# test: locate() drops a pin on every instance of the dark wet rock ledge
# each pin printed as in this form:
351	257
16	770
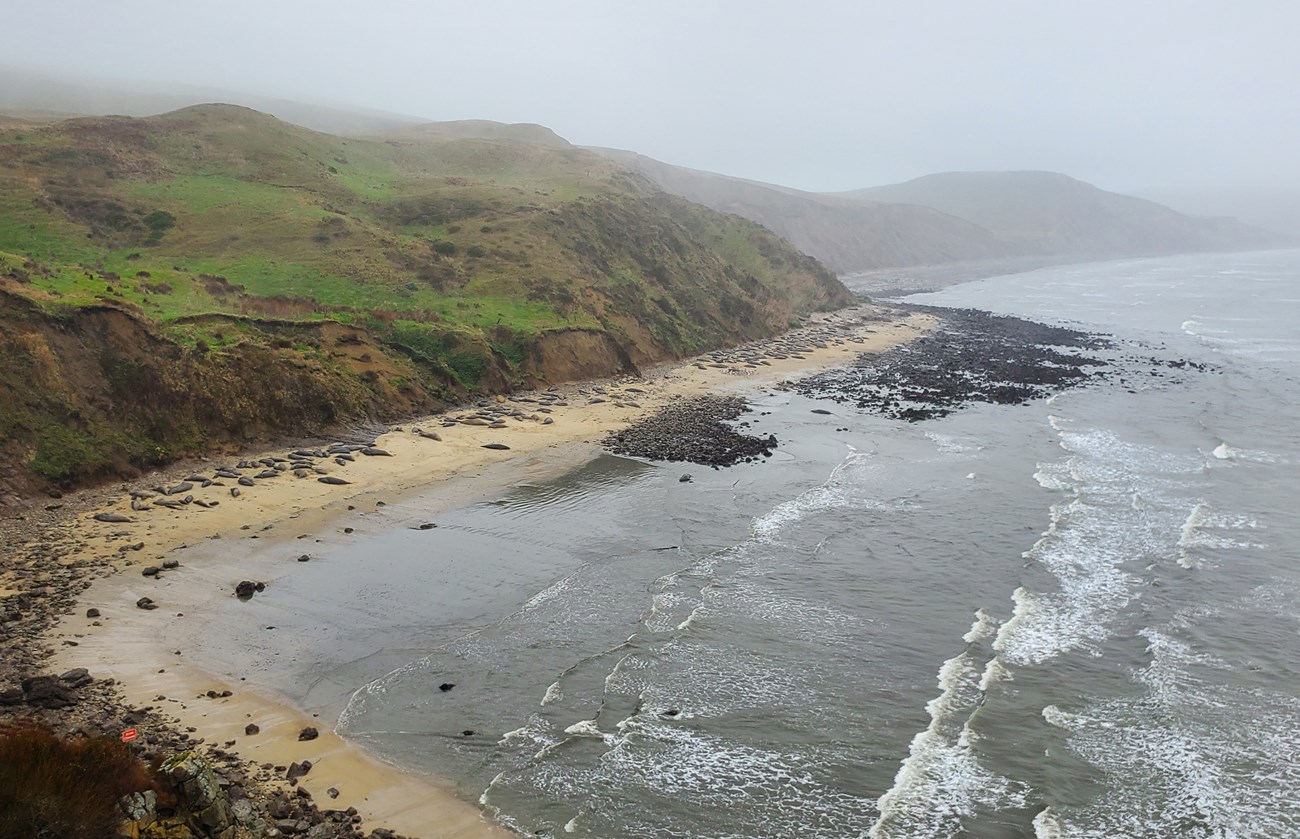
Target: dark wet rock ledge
972	356
694	430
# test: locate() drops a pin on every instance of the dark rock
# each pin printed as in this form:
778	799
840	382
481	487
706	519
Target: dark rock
973	357
245	589
77	677
151	571
297	770
332	792
92	613
685	479
169	564
305	558
47	692
446	686
308	733
251	729
693	430
146	603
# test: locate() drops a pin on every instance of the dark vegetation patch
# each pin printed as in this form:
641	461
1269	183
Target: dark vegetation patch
69	788
694	430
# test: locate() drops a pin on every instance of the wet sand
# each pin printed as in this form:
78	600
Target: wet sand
138	647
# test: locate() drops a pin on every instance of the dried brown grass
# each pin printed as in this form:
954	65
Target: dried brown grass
64	788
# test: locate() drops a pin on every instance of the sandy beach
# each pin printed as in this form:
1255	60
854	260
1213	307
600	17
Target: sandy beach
136	646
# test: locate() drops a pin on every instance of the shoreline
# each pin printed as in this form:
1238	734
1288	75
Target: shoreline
128	644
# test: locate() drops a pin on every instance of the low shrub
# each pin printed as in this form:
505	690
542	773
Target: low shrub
66	788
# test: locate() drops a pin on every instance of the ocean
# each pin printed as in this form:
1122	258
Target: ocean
1076	617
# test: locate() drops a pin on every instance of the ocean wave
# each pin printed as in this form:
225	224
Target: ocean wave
836	491
1226	452
951	445
1122	506
1190	757
942	780
1199	535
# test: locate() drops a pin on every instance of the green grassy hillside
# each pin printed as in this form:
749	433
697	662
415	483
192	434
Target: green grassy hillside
400	271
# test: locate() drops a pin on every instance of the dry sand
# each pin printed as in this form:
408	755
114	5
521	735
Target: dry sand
131	644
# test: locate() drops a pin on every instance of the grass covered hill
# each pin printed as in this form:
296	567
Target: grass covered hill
172	282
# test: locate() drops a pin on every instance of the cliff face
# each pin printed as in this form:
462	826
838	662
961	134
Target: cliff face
213	275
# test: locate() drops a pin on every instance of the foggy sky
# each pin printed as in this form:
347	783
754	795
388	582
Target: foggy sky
817	94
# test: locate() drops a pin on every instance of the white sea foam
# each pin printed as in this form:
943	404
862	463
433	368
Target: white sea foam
1118	511
835	492
551	592
553	694
1194	755
1231	453
951	445
1046	825
585	728
942	780
1206	530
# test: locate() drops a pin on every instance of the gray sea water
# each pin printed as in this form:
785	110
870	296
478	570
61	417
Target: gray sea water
1074	618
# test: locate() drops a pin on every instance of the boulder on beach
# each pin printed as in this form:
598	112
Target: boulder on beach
47	692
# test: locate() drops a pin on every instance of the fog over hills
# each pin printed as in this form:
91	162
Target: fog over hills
957	217
39	94
1046	213
1275	208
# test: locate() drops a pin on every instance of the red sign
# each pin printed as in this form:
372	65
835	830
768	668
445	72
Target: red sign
129	735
